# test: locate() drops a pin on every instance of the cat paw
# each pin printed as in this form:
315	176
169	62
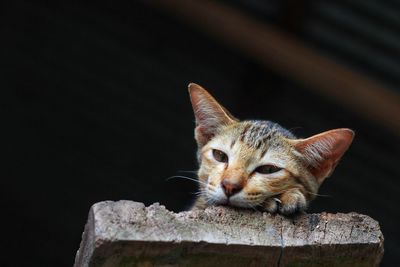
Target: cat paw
292	202
271	205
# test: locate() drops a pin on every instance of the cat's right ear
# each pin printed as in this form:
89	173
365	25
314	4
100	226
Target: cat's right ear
209	114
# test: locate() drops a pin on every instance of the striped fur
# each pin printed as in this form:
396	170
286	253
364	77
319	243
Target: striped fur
300	165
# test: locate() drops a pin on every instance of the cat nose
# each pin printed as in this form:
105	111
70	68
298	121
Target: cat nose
230	188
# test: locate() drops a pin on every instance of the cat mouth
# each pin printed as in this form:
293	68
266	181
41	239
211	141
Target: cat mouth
225	202
237	203
228	202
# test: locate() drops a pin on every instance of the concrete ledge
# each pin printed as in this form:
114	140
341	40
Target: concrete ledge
126	233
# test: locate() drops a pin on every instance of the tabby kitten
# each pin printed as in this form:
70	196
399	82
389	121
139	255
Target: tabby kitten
259	164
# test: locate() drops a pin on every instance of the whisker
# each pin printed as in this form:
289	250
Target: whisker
186	178
188	171
200	192
210	199
319	195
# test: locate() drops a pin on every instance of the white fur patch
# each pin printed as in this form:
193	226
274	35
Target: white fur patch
317	152
212	118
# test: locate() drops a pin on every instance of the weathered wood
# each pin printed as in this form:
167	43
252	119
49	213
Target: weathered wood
126	233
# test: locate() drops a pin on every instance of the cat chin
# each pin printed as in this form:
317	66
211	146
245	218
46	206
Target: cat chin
237	202
234	201
228	202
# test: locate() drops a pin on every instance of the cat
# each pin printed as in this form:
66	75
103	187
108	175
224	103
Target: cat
259	164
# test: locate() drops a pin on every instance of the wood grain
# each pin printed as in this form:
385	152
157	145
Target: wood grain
127	232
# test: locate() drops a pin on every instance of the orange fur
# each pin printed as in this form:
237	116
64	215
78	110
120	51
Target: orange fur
291	169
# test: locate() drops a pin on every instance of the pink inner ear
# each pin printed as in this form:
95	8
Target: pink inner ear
210	115
323	151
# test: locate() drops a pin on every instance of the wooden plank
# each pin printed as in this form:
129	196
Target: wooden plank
289	56
127	233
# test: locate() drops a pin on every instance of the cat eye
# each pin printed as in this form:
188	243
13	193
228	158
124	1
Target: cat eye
267	169
220	156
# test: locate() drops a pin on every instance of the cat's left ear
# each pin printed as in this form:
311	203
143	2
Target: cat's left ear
323	151
210	115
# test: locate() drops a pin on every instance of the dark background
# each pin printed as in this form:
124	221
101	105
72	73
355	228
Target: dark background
96	108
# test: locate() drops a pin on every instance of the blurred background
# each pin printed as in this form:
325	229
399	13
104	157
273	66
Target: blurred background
96	104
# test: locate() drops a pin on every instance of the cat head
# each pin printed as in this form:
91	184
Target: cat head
243	163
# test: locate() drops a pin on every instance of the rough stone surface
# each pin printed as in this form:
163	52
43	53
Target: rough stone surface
127	233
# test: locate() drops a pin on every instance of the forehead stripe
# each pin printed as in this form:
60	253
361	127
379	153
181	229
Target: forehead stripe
264	152
244	132
233	143
255	134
